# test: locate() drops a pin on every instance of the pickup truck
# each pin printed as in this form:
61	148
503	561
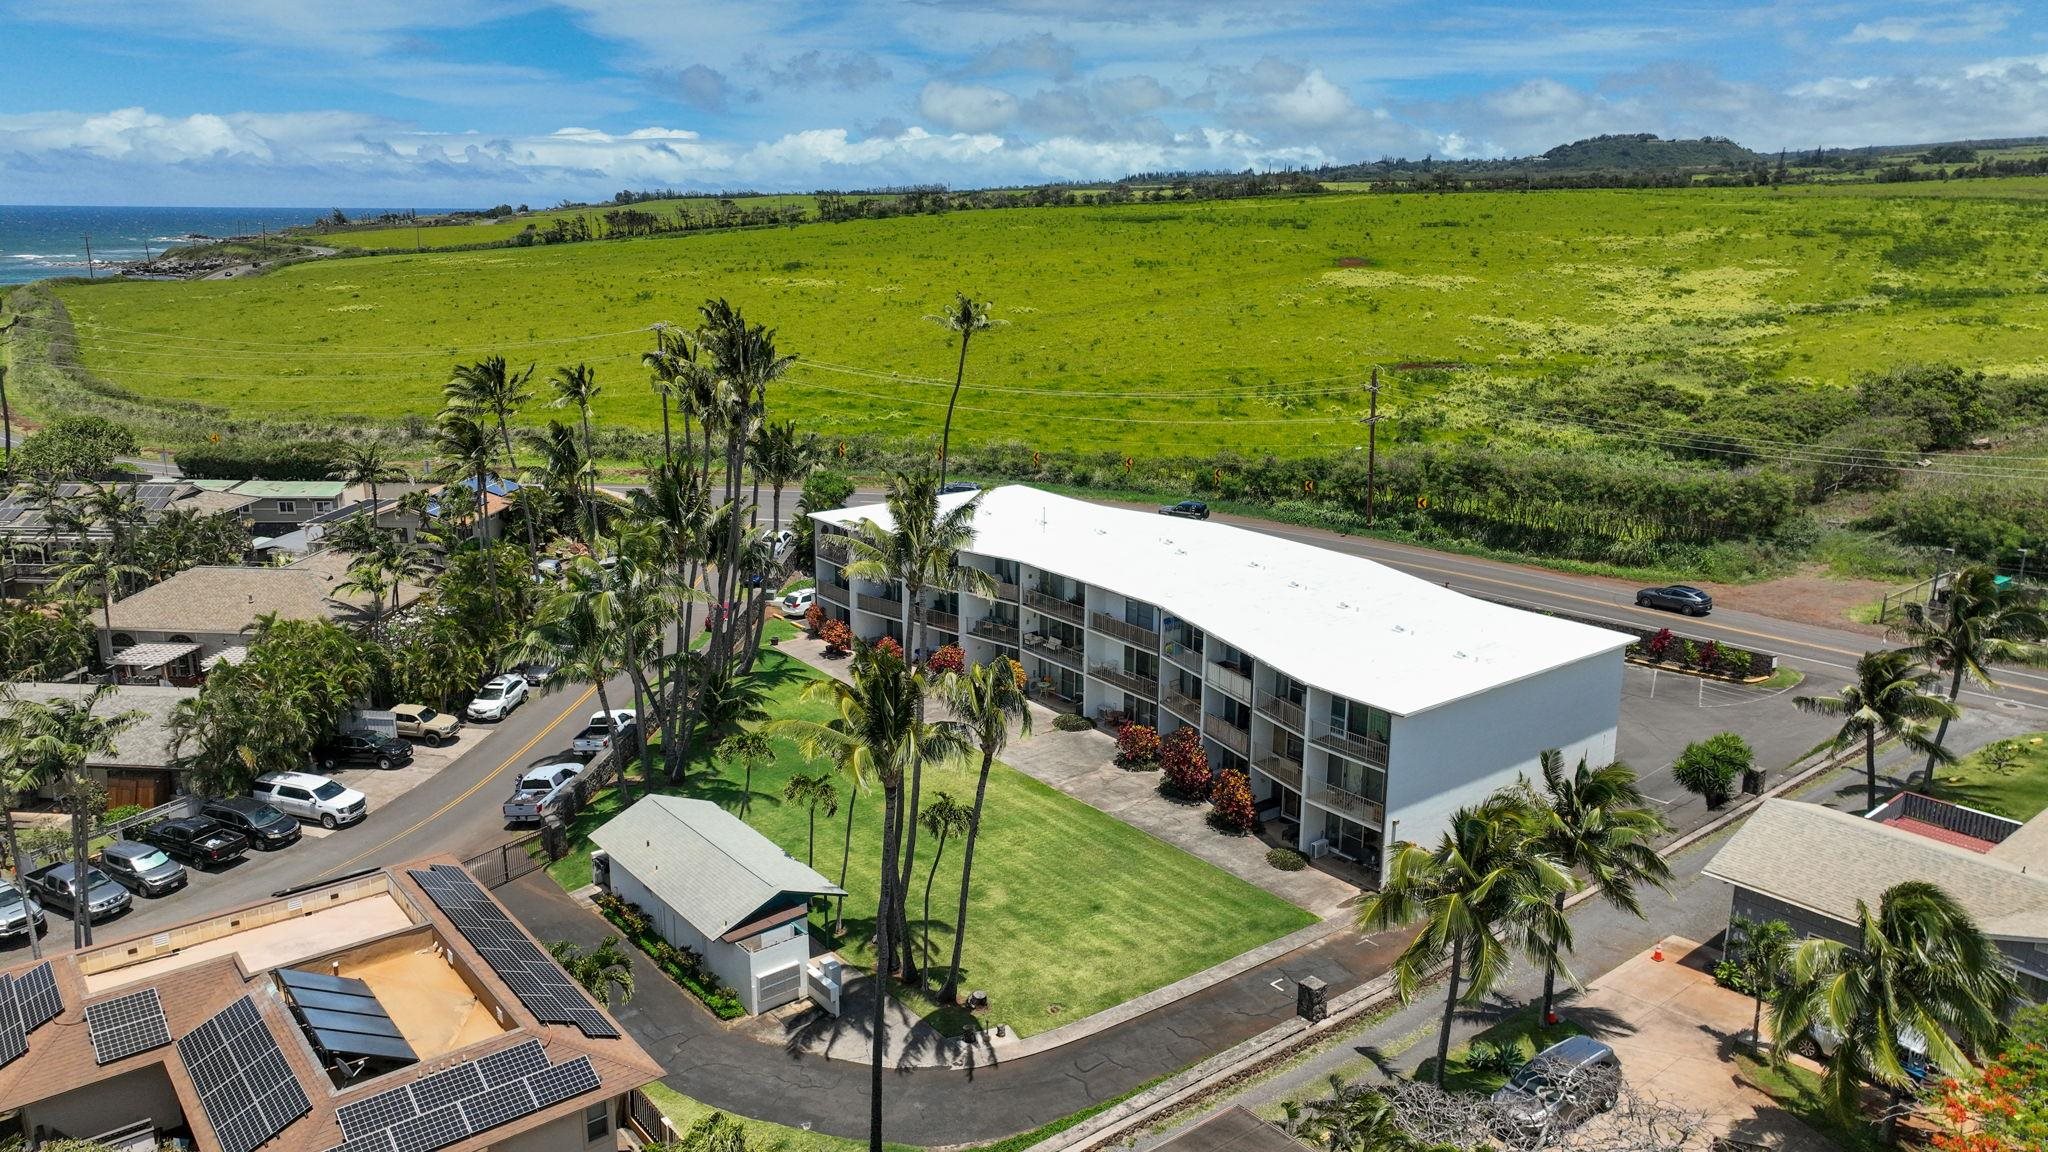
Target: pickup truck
541	790
597	735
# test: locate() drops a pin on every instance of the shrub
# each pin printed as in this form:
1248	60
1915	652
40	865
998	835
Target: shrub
1499	1058
1069	722
258	460
814	621
124	812
74	448
1738	660
1708	767
1185	766
1657	645
1688	653
890	645
949	658
1286	859
837	636
1137	747
1710	655
1232	808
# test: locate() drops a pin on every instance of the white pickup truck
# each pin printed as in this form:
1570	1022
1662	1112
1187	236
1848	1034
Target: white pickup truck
542	789
597	735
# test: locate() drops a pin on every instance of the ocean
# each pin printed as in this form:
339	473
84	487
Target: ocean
48	240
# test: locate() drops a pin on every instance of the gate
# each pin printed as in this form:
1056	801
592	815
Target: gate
499	866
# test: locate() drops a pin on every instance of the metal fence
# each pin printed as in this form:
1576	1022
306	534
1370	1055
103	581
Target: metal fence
507	862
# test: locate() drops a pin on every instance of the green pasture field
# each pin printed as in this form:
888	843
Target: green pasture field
481	231
1148	329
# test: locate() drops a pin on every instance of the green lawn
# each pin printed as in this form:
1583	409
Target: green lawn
1073	911
1798	1092
1524	1029
2017	793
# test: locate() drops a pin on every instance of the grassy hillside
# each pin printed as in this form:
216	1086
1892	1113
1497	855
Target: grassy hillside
1144	328
433	233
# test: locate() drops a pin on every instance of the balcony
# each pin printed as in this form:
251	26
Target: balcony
1187	708
1349	803
1227	679
1124	630
1052	650
997	631
1143	687
1054	606
833	594
1281	710
1363	750
1223	732
834	548
1004	592
1280	768
881	605
940	620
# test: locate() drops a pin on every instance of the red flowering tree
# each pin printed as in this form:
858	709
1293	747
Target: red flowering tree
814	621
837	636
2004	1108
948	658
1137	747
1233	809
888	644
1184	767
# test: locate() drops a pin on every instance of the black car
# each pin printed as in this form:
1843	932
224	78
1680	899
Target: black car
958	486
266	827
362	748
1676	598
205	842
103	898
1190	509
143	869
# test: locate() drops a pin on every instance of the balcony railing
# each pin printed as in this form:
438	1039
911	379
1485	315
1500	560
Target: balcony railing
832	594
997	631
1230	680
1364	750
1281	709
1280	768
1223	732
834	548
1186	707
1124	630
1053	650
1143	687
885	605
1348	802
1054	606
1187	656
939	620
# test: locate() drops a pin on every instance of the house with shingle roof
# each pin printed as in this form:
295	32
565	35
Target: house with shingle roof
138	770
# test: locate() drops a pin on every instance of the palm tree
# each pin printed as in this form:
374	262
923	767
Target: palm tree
965	317
751	750
1484	880
20	772
369	578
99	567
1765	951
780	455
576	388
672	350
366	462
727	700
813	792
467	444
1352	1118
984	699
1889	700
488	389
1981	622
604	971
575	630
1595	822
1920	969
944	817
60	737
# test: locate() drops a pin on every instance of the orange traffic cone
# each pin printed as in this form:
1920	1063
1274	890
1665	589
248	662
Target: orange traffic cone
1657	953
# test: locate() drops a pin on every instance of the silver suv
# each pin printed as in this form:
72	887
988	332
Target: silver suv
310	797
1559	1087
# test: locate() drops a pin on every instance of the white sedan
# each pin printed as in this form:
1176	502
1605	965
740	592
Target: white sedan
496	699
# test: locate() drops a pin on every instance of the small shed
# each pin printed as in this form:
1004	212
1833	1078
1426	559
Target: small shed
710	883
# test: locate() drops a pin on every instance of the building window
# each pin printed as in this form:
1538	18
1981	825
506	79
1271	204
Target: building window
323	505
1236	713
284	506
1143	615
1141	711
1143	665
597	1123
1234	659
1358	721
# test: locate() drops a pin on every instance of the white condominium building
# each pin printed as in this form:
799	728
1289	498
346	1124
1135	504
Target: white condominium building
1365	704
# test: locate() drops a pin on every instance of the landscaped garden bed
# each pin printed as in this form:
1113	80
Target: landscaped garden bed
2007	778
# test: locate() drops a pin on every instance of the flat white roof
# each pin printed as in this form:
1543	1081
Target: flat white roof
1342	623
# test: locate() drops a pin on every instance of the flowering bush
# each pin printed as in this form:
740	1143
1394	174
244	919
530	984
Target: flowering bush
814	621
1184	766
2005	1108
1233	809
1657	645
1710	655
1137	746
1016	670
837	636
948	658
888	644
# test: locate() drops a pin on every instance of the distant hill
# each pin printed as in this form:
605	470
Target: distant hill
1642	150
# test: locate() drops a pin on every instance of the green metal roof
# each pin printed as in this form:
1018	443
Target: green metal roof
292	489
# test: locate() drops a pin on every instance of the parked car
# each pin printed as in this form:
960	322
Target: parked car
781	544
142	868
950	488
203	840
537	672
597	735
1561	1085
19	913
51	884
497	698
1676	598
1821	1041
265	827
310	797
799	602
363	748
419	722
541	790
1186	509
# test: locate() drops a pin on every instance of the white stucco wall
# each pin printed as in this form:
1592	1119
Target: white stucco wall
734	966
145	1093
1453	756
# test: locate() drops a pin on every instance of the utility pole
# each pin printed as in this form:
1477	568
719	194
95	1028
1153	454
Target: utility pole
1372	449
88	258
415	213
2023	561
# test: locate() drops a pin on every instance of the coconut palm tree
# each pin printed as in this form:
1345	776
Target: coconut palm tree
368	463
576	388
813	792
984	700
1980	622
1763	952
491	391
369	578
60	737
1595	823
726	702
1484	888
669	365
1919	970
575	630
605	971
1888	701
781	455
944	818
20	773
98	567
965	317
467	444
750	750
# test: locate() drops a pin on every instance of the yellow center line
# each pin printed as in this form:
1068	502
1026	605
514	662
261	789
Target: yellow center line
444	809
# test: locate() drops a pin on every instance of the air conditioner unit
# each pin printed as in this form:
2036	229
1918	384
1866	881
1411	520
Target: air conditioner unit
1318	849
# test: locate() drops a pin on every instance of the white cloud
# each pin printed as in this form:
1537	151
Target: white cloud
1043	52
966	107
1314	102
1972	23
702	87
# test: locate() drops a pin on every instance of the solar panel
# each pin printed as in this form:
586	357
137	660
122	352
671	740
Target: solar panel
463	1101
500	1105
432	1092
37	993
433	1130
563	1081
245	1084
520	1060
126	1025
592	1023
531	974
13	1037
376	1113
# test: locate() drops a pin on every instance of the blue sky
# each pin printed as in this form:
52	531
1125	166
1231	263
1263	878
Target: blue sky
471	102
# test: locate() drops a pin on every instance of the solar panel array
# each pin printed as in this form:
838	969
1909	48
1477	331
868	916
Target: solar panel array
126	1025
243	1080
27	1002
462	1101
532	974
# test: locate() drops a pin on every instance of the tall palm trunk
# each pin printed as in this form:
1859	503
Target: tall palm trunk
35	943
1550	967
951	990
938	854
1955	690
916	595
512	465
845	858
668	447
946	437
1443	1032
483	542
590	495
811	838
81	918
892	799
1870	770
